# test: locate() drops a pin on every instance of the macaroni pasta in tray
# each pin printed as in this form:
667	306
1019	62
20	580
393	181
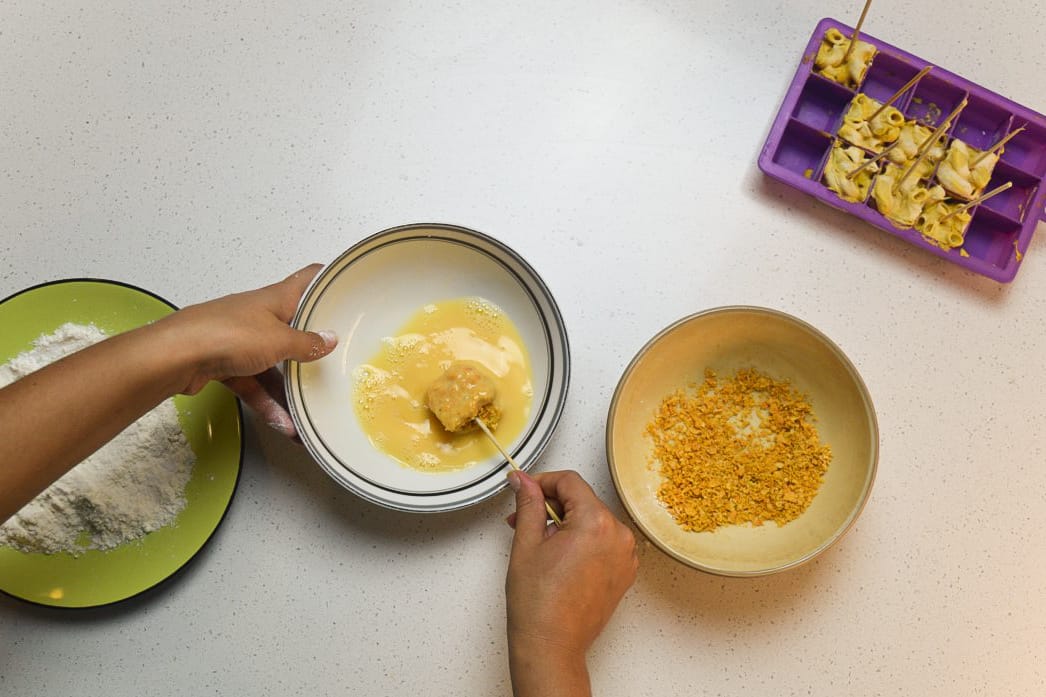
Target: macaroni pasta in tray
948	166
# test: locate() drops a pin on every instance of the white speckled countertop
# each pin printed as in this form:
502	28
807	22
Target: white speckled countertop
196	150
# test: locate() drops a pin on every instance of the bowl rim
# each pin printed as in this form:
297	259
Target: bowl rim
850	368
550	315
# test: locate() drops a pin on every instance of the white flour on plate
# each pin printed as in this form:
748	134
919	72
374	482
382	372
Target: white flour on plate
133	485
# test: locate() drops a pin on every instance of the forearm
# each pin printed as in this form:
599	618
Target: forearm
563	582
54	418
543	670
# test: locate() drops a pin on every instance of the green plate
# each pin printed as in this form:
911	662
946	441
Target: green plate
212	421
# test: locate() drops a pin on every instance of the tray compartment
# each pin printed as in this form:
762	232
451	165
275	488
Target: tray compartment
933	100
887	75
991	237
1027	151
802	150
824	166
1012	203
881	218
982	123
822	103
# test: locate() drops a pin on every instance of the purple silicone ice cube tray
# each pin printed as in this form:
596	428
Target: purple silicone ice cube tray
1000	228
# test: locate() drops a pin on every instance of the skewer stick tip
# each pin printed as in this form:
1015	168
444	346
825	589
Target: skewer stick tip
857	30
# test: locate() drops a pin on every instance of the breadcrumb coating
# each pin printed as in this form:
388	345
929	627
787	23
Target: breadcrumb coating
743	450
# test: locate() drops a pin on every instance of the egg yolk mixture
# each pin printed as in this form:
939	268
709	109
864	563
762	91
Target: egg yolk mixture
390	388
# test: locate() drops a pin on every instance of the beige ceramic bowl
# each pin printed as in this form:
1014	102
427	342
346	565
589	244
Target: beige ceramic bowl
725	340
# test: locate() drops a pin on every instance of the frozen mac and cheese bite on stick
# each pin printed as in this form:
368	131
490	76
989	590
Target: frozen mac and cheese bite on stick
461	395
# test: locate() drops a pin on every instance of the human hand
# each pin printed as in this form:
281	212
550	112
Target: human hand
563	583
239	338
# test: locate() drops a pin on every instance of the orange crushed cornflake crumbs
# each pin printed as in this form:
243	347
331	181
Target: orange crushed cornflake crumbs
736	451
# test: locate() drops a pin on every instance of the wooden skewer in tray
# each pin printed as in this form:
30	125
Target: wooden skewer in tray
980	199
997	146
899	92
857	31
930	142
878	158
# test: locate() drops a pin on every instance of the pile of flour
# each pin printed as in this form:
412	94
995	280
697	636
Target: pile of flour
133	485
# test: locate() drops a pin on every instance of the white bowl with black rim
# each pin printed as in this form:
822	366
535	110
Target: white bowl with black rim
366	294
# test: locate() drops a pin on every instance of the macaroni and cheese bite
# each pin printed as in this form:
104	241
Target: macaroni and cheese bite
838	63
842	161
960	175
464	393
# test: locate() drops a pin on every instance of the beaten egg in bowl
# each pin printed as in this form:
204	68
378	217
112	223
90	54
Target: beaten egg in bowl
389	389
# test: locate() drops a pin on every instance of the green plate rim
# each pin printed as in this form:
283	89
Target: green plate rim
232	494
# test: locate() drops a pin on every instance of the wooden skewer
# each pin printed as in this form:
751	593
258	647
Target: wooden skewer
928	145
980	199
995	147
901	91
555	517
857	31
877	158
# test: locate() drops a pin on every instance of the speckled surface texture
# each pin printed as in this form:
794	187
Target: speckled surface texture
197	150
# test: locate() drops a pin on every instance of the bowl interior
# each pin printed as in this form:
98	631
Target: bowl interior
726	340
368	294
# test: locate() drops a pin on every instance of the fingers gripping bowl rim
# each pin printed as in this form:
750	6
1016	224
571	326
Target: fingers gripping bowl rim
366	294
726	339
